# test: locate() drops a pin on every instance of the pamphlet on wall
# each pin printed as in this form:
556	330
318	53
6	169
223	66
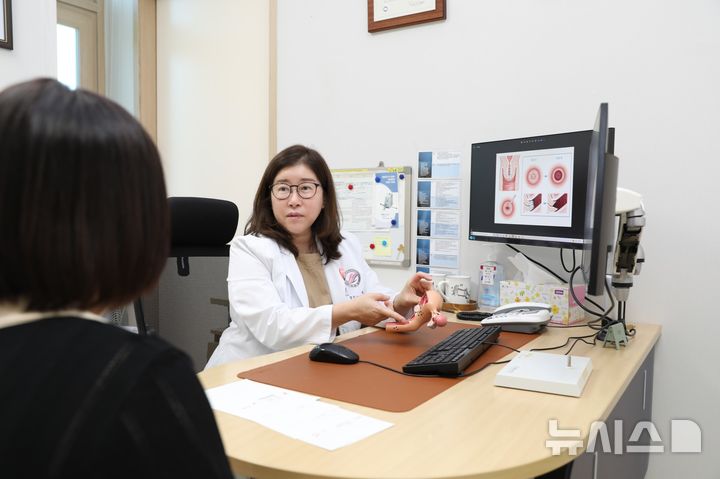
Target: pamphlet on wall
438	211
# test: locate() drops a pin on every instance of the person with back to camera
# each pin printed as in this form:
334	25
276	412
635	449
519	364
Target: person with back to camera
84	226
294	277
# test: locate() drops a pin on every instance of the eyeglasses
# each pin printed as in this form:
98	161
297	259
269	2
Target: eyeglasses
282	191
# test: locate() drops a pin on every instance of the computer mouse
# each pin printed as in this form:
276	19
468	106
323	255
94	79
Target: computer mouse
333	353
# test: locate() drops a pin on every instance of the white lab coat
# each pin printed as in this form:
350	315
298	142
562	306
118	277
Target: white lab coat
269	304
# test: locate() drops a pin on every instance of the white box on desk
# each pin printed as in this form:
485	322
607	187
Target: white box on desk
564	309
545	372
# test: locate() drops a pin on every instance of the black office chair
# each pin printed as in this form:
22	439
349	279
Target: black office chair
199	227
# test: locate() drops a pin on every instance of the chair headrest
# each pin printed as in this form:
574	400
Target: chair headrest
201	225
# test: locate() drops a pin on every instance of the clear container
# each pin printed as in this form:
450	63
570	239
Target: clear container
491	273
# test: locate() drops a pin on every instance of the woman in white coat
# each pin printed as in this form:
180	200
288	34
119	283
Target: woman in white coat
294	277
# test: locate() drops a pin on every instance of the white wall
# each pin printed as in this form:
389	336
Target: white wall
213	87
34	38
213	70
505	69
121	53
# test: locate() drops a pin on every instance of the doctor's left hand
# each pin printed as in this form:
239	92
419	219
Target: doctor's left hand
410	295
368	309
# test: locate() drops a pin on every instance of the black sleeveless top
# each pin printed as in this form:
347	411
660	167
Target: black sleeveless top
80	398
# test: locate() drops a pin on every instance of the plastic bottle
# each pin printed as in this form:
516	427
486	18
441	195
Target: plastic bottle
491	273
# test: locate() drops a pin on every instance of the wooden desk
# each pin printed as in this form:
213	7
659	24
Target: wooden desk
473	429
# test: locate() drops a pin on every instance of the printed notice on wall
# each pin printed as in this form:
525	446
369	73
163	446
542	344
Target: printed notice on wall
354	190
438	212
386	202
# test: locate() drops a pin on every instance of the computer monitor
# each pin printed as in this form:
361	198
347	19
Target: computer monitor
530	191
600	203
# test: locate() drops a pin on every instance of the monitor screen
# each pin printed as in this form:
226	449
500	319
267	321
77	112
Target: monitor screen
600	203
530	190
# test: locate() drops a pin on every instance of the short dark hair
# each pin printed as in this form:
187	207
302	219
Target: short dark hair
84	218
325	229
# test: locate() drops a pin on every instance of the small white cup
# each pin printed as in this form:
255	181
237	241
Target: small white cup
456	289
437	280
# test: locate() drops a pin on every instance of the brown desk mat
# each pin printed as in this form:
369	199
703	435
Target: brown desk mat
369	385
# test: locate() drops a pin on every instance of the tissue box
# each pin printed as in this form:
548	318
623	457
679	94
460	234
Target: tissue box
564	309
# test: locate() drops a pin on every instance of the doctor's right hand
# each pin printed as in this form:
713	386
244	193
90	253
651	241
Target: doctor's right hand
368	309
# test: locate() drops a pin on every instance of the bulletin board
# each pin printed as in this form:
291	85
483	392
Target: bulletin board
375	206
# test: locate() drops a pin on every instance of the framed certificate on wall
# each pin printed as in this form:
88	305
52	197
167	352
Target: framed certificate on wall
6	40
386	14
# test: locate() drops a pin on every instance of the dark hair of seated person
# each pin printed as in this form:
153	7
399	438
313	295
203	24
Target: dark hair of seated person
82	190
84	227
326	228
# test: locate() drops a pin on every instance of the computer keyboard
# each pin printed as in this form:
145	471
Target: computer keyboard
453	354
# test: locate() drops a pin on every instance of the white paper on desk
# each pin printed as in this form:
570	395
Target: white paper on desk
294	414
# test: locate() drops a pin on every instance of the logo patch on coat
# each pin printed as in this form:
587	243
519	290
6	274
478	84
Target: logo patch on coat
352	278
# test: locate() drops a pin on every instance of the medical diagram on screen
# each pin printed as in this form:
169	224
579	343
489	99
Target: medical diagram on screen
534	187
